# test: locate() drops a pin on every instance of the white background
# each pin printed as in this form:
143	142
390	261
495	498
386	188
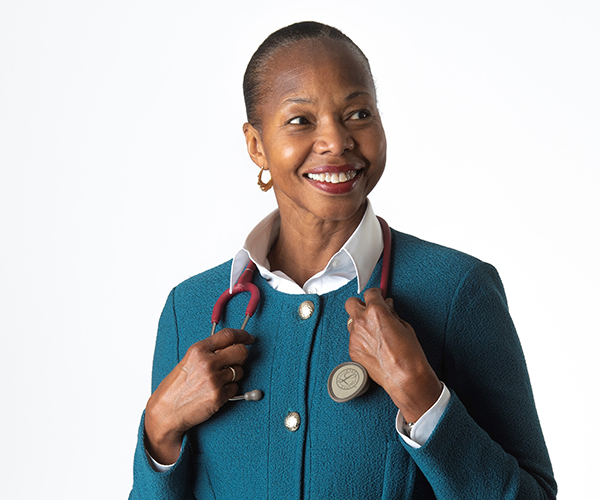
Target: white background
124	172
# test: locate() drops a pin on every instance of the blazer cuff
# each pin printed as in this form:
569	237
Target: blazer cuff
150	484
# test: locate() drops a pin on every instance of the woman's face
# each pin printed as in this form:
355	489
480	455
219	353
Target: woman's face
321	136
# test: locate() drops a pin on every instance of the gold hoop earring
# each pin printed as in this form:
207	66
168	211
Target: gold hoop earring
264	186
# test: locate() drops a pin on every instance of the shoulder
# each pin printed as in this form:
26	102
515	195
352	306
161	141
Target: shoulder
430	257
432	269
207	283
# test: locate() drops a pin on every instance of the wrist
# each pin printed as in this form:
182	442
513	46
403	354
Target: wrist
164	449
416	393
161	441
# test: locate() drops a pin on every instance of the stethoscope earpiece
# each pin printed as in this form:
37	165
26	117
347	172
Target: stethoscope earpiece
255	395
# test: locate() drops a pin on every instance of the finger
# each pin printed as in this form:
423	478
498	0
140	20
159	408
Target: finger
226	337
232	355
390	303
232	373
230	390
373	296
354	306
349	323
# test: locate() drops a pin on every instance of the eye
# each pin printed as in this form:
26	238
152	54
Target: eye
299	120
361	114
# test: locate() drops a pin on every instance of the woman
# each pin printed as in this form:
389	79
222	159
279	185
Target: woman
450	413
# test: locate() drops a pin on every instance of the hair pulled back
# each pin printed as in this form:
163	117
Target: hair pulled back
254	90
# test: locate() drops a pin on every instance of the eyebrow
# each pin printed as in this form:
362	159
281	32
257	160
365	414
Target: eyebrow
356	94
298	100
304	100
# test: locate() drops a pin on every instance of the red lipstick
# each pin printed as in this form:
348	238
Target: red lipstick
334	179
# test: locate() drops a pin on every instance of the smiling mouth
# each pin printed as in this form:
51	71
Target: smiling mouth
333	177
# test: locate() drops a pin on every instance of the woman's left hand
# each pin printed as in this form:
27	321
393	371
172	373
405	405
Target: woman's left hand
389	350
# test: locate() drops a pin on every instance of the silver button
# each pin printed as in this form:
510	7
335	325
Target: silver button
306	309
292	421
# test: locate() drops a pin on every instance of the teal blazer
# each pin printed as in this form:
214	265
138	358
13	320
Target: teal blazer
488	443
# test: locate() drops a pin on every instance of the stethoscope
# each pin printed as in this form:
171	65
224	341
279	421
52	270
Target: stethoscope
346	381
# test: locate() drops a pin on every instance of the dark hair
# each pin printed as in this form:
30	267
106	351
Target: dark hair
254	75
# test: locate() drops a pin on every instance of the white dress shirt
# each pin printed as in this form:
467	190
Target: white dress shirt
357	258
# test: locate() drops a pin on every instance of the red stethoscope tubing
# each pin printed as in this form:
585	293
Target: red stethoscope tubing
244	283
387	253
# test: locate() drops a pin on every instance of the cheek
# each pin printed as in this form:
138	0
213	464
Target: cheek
287	154
376	154
375	149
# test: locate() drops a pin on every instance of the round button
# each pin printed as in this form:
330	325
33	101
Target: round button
335	263
312	289
306	309
292	421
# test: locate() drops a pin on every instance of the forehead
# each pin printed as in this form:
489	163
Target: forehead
314	66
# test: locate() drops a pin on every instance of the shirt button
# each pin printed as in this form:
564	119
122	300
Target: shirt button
306	309
312	289
335	263
292	421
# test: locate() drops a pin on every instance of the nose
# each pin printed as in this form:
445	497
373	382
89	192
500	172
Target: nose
333	138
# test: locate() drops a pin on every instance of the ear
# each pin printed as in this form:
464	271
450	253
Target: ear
255	146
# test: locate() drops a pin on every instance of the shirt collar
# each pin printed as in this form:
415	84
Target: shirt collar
357	258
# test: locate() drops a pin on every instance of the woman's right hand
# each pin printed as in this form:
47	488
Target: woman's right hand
197	387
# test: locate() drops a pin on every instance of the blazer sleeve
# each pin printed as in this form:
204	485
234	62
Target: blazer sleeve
173	484
488	443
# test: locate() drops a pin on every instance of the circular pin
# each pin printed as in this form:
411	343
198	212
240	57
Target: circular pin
347	381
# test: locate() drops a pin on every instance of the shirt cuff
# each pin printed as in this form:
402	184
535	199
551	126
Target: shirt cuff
422	429
155	465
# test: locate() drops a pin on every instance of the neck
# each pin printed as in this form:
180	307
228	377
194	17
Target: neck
306	244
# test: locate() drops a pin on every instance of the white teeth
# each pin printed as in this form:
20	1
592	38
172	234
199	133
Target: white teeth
333	177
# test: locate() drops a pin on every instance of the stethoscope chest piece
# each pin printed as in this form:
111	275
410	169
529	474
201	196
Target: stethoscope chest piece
347	381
